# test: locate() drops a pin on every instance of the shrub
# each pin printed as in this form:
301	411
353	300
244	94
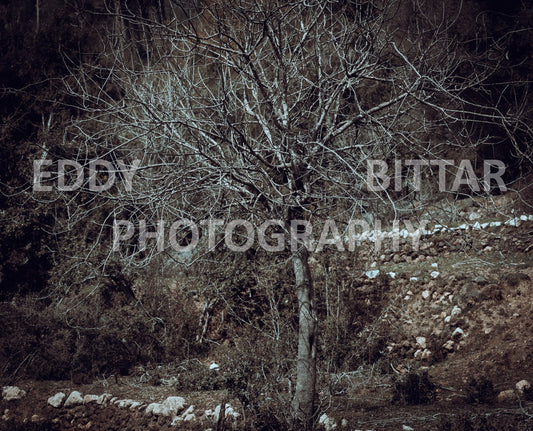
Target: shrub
195	376
413	389
481	391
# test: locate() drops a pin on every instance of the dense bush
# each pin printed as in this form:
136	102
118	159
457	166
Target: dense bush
194	375
83	337
481	391
414	388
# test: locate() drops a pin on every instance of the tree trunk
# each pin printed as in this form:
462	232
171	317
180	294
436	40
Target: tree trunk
303	403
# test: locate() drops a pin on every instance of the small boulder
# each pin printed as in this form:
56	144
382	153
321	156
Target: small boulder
455	311
189	417
74	399
57	399
136	405
10	393
214	366
458	333
421	342
124	404
327	422
229	412
426	354
90	399
522	385
189	410
174	405
505	396
157	409
448	345
104	398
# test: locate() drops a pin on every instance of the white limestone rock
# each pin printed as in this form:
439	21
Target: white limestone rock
10	393
174	405
57	399
90	398
74	399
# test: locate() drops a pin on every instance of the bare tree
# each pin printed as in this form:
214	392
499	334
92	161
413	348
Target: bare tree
271	110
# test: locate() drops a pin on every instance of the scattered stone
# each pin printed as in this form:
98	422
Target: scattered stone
327	422
372	274
407	428
229	412
10	393
57	399
74	399
104	398
421	342
90	398
458	333
434	274
455	311
124	404
157	409
522	385
36	418
189	410
448	345
344	423
135	405
426	354
505	396
174	405
426	294
189	417
186	416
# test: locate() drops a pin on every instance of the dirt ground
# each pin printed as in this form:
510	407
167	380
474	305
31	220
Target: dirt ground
369	412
